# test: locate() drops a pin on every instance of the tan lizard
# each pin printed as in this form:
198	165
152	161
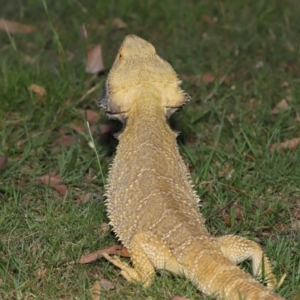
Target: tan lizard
151	203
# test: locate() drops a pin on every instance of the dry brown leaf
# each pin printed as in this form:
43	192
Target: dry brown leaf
289	144
227	221
106	284
113	250
281	106
61	188
96	290
208	19
91	116
94	61
38	90
208	78
66	140
3	161
54	181
15	27
120	24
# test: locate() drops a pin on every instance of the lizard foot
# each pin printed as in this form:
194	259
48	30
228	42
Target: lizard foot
129	273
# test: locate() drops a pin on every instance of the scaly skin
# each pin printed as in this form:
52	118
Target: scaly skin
151	203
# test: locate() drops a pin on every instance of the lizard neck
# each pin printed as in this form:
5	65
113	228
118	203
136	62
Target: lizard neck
146	121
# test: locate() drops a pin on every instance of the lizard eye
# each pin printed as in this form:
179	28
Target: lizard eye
120	55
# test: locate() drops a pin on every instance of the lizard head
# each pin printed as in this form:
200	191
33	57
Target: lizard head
138	67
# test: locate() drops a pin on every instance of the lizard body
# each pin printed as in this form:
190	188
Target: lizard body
151	203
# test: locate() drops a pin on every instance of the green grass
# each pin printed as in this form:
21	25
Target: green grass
226	133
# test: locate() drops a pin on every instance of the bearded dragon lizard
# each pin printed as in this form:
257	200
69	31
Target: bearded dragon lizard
151	203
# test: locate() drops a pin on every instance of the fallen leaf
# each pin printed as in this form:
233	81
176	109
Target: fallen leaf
289	144
54	181
3	161
106	284
208	78
66	140
227	221
15	27
281	106
38	90
96	290
113	250
91	116
178	298
118	23
94	61
208	19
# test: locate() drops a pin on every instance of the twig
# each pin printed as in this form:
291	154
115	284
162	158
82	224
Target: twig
219	211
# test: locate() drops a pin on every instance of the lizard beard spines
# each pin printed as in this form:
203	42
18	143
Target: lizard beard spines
102	101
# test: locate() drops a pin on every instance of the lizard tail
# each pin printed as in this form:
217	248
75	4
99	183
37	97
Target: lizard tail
216	275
